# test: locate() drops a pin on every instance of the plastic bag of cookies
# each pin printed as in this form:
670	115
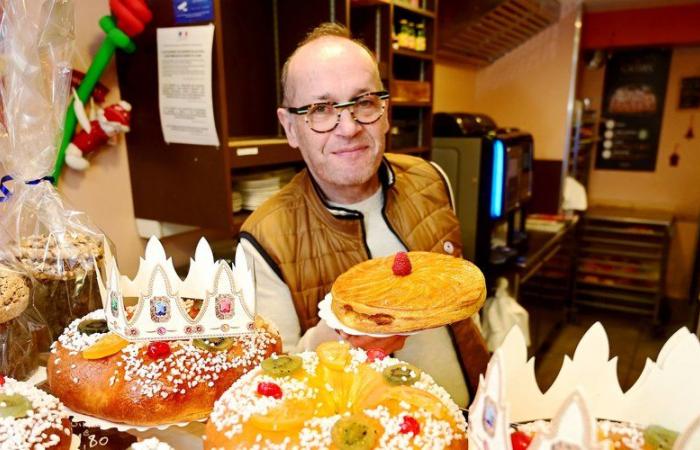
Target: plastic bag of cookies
22	329
56	245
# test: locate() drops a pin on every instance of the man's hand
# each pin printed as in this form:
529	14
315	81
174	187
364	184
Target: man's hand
389	344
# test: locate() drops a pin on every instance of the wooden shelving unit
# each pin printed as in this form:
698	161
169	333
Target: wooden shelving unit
191	184
622	260
377	22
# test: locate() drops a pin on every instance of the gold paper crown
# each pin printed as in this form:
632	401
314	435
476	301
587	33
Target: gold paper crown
227	295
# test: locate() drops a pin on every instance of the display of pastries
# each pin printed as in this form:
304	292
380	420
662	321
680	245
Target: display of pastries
63	268
31	419
337	398
611	435
407	292
95	372
18	331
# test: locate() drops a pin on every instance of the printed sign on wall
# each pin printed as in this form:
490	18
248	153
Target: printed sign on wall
191	11
633	107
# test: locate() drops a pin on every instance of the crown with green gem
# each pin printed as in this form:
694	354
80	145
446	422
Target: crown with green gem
225	296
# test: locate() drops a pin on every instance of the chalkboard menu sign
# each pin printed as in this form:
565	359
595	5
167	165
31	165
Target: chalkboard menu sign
633	106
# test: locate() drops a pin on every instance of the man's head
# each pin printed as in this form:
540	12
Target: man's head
330	67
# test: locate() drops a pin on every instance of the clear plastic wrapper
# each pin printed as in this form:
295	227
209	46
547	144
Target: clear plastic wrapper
56	245
22	329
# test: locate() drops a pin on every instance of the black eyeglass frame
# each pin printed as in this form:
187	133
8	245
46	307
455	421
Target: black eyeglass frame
303	110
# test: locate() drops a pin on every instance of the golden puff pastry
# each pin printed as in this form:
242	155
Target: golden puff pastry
434	290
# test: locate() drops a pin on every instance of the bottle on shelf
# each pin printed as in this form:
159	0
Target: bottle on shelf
411	41
421	44
403	33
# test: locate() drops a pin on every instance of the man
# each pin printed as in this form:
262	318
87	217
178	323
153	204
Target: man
351	203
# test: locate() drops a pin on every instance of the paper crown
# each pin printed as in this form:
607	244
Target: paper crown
667	393
227	295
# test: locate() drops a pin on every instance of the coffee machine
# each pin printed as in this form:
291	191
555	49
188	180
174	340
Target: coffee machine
490	171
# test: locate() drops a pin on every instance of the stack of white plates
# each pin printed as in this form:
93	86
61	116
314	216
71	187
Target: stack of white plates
257	188
237	201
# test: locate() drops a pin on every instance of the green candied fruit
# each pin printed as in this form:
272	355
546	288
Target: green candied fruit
402	374
659	438
14	405
281	366
354	433
93	326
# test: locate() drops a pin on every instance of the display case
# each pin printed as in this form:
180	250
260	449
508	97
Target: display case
622	259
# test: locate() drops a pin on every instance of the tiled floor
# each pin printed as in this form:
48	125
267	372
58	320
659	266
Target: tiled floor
631	340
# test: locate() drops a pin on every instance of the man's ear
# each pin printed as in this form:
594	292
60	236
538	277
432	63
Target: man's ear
285	118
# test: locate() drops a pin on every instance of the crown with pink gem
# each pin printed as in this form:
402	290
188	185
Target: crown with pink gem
214	300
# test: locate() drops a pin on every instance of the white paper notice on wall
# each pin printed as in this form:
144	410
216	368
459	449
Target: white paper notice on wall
185	85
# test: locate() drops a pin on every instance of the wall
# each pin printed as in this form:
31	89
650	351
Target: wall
104	190
454	88
530	87
669	188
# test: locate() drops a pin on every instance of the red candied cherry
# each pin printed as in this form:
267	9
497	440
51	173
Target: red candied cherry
2	379
158	350
402	265
375	354
520	440
409	425
268	389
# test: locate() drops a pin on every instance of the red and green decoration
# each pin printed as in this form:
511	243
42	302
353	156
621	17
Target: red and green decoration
129	18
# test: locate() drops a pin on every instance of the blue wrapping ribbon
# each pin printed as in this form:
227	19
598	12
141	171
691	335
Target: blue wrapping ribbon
5	191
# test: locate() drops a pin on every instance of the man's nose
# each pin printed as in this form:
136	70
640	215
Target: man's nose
347	126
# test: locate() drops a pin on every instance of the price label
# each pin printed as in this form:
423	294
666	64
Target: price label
99	439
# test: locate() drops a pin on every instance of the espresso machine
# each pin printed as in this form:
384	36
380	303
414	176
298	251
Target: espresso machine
490	171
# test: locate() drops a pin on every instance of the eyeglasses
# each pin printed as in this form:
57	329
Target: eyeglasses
324	117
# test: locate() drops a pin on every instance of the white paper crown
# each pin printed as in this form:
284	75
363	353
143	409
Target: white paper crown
667	393
227	294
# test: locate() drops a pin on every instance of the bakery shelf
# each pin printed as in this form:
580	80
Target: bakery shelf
410	103
618	252
619	296
400	6
618	274
645	232
413	54
622	242
623	260
615	307
408	74
613	285
405	7
646	266
261	151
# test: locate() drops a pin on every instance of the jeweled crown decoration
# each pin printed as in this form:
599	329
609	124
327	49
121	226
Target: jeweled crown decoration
666	394
225	296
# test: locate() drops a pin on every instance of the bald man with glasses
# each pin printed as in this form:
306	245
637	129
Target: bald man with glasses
351	203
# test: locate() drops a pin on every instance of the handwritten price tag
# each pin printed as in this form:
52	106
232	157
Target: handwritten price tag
99	439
